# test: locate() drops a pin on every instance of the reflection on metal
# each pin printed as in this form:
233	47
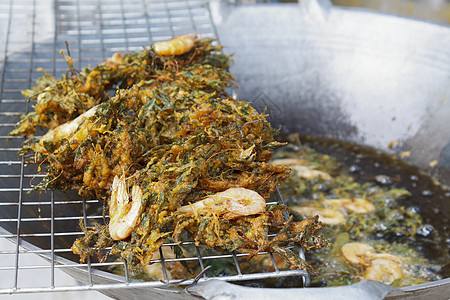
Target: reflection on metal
431	10
367	290
359	76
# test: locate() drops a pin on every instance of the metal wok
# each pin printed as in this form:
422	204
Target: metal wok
331	72
349	74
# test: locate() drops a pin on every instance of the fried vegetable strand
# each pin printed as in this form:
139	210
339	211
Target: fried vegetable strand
168	139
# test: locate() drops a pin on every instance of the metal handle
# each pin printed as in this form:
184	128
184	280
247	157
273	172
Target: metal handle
366	289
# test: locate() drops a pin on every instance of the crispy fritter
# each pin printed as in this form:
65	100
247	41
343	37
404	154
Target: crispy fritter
172	130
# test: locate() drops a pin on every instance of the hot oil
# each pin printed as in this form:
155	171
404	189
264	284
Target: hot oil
428	203
428	197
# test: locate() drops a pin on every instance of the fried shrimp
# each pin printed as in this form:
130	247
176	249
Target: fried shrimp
232	203
310	173
66	130
174	270
124	215
303	171
329	216
289	161
176	46
382	267
384	270
356	205
358	253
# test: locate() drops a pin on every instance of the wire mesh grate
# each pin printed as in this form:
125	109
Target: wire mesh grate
31	34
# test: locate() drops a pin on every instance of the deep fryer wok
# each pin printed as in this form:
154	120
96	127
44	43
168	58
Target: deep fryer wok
349	74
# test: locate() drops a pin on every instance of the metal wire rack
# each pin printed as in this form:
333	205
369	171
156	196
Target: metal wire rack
31	34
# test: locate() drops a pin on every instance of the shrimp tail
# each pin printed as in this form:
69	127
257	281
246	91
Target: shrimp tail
124	215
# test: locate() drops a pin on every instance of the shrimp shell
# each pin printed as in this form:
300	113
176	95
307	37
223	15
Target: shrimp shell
358	253
356	205
176	46
306	172
383	267
384	270
329	216
174	270
66	130
232	203
124	215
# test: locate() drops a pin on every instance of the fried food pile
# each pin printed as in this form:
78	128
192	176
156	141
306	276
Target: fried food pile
169	152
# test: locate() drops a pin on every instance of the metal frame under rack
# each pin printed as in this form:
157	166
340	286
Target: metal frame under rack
31	34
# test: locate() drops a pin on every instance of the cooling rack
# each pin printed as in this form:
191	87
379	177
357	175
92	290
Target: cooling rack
32	33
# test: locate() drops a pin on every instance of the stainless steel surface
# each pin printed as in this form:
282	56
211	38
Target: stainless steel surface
439	290
431	10
346	73
342	73
366	289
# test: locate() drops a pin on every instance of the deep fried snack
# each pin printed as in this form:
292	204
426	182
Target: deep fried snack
169	137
